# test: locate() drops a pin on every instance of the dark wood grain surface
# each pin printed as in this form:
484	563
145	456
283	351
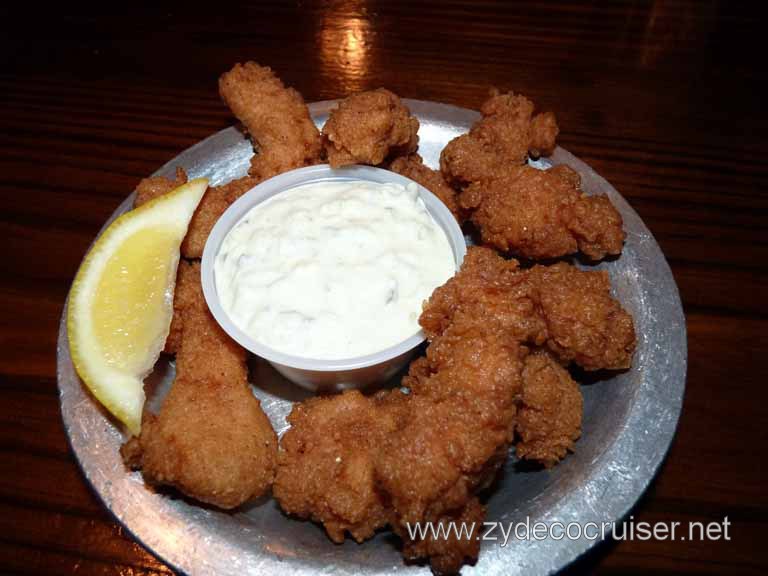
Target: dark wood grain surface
662	98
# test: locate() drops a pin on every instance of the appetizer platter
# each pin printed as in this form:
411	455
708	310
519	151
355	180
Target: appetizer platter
540	381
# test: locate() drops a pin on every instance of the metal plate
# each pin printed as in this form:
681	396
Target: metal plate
629	422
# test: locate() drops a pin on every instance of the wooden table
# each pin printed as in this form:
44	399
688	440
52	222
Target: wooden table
661	98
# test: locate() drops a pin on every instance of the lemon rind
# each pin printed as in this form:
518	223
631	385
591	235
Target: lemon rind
120	392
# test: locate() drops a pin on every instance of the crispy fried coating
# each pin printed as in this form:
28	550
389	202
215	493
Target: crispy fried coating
586	325
544	131
327	462
412	166
202	337
549	420
504	136
463	410
211	440
540	214
233	189
491	291
368	127
276	117
597	227
566	173
214	203
155	186
185	297
570	310
173	341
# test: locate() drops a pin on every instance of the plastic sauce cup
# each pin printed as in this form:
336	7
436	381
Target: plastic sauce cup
312	373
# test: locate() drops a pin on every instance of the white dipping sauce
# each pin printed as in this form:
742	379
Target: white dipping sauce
332	270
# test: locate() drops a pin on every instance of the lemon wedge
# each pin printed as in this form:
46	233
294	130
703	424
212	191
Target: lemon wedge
121	302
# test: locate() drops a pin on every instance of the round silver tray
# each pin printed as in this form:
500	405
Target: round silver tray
629	422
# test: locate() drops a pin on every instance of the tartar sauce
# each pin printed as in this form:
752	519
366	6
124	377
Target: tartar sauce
334	269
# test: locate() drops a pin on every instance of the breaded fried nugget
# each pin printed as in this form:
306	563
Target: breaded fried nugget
540	214
155	186
461	408
420	469
412	166
491	291
462	414
327	462
586	325
368	127
570	310
211	440
276	117
549	420
474	361
503	137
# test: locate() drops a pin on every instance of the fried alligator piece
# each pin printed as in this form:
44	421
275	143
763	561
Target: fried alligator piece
155	186
570	310
540	214
461	416
530	213
211	440
549	420
327	462
504	136
491	291
585	324
276	118
460	426
412	166
369	127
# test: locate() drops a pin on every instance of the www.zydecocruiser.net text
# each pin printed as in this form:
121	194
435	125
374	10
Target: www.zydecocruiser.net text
506	532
